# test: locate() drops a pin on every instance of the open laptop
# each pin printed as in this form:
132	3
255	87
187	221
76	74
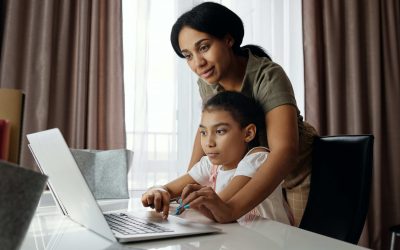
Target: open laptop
73	195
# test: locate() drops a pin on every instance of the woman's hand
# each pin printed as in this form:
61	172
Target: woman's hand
157	198
206	201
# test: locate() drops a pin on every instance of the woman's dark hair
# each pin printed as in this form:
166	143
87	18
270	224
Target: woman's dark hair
244	110
218	21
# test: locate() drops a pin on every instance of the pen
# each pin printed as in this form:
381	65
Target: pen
181	208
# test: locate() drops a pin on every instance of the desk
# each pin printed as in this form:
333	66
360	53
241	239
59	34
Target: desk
51	230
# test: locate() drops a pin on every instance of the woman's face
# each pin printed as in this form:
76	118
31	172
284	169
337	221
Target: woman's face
222	138
207	56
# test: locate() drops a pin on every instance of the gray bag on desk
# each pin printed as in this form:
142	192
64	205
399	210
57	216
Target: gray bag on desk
106	172
20	191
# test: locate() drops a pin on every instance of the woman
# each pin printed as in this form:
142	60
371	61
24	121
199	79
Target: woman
209	38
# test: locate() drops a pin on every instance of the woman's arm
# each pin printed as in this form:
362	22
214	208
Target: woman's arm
197	152
237	183
283	142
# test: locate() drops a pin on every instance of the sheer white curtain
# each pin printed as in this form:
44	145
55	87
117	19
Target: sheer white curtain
276	25
162	100
150	91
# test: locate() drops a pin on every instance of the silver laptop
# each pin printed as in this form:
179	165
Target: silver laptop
77	201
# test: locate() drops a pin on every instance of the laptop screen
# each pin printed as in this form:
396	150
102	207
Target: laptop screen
54	158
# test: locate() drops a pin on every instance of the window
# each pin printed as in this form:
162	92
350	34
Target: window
151	94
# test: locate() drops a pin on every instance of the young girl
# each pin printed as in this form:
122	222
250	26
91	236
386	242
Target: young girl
229	126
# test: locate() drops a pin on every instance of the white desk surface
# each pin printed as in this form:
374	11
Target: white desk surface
51	230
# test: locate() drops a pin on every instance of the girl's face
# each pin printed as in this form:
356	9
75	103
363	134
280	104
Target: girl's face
207	56
222	138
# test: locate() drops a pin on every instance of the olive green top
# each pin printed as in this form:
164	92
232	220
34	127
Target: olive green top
268	84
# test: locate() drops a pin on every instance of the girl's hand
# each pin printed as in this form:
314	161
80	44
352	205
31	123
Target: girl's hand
157	198
206	201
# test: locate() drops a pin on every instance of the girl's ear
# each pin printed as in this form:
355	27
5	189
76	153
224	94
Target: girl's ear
250	132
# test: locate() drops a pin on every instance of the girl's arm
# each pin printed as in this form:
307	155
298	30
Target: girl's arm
283	142
197	152
237	182
176	186
159	197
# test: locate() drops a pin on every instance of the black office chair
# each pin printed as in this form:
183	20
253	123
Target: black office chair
340	186
395	230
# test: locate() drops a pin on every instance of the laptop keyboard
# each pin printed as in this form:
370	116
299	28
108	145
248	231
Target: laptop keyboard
129	225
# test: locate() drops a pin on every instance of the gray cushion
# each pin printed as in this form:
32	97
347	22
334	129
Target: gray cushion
106	172
20	191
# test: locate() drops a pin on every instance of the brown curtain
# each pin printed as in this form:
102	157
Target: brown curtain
352	86
66	56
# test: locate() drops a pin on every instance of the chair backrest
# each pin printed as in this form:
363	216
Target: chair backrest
5	132
12	110
340	186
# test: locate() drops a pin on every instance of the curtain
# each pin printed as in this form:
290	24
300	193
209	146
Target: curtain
66	56
151	92
352	86
276	26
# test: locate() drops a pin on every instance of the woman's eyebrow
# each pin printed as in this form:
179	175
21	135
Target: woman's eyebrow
200	41
196	44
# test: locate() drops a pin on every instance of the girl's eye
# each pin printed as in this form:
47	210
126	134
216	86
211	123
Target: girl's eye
203	48
221	131
203	133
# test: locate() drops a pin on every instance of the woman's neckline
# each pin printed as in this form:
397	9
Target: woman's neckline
242	69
